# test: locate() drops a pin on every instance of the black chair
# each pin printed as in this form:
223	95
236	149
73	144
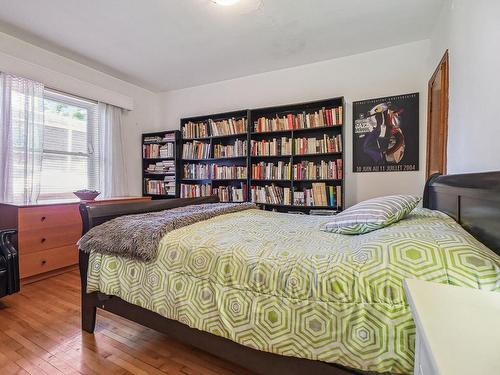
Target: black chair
9	264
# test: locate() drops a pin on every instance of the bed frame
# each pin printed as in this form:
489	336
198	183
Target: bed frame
473	200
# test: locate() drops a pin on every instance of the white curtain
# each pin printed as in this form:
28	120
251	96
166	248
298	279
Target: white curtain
21	138
113	169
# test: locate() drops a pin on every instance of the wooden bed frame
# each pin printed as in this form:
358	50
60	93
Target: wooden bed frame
473	200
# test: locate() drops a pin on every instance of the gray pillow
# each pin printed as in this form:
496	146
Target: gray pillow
372	214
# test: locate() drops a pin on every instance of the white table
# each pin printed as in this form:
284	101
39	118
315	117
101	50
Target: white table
458	329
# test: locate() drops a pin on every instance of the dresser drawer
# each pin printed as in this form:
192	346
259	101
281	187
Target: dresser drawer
34	240
47	260
39	217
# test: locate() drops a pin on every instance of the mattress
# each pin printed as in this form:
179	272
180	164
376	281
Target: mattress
277	283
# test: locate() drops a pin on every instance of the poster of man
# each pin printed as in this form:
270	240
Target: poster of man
386	134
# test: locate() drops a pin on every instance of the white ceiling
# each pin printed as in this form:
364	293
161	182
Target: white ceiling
170	44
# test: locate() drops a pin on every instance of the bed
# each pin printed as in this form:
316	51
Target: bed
274	294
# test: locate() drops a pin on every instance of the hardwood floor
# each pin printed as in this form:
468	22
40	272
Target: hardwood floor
40	334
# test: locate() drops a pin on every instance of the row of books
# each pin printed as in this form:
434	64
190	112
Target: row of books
152	139
168	137
228	127
324	170
152	151
313	145
195	130
232	193
274	147
226	193
162	167
320	195
159	187
304	120
305	170
302	146
196	150
214	172
271	171
238	148
195	190
204	129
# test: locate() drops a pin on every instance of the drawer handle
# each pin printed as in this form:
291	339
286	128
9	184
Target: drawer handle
43	218
43	240
44	262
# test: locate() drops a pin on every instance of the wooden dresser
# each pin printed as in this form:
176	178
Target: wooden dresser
47	235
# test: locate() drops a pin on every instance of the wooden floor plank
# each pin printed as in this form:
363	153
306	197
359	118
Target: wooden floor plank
40	334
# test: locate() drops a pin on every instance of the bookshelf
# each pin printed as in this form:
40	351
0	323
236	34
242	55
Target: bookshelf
298	150
302	152
160	167
215	156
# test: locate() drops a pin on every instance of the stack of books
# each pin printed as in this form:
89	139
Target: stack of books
271	171
238	148
167	150
274	147
193	130
169	182
324	170
230	126
162	167
169	137
196	150
153	139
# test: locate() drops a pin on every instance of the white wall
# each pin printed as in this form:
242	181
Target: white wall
391	71
60	73
470	29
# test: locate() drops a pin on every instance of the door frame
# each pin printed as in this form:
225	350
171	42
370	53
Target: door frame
444	66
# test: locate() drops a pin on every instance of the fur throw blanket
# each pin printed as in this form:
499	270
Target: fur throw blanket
138	236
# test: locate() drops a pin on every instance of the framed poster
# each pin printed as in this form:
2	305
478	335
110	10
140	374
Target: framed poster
385	134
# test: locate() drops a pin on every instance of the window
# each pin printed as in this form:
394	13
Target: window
70	147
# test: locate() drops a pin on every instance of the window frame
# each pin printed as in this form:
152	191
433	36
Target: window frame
92	140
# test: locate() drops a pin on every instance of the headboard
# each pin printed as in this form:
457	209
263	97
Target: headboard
473	200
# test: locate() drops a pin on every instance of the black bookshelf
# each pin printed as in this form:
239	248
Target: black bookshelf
327	126
188	183
158	177
318	131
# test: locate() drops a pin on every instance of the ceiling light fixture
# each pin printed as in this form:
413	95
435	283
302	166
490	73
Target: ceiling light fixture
225	2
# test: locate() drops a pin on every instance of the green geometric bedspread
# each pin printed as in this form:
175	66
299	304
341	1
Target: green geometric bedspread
276	283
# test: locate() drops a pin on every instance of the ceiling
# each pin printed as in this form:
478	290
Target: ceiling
171	44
